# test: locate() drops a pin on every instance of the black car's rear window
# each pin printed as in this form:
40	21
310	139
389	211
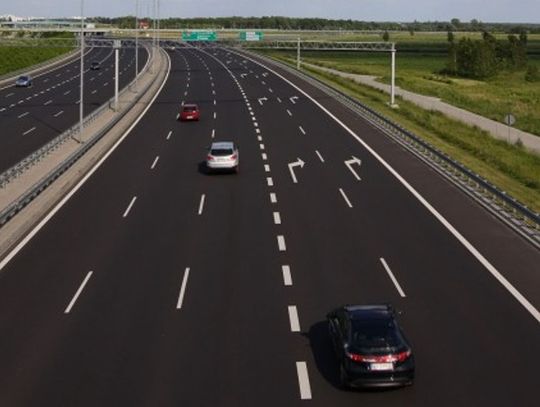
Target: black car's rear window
221	151
375	333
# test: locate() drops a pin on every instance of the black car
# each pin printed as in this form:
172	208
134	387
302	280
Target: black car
95	65
370	346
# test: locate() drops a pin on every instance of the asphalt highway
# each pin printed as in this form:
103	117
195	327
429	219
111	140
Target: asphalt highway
33	116
158	284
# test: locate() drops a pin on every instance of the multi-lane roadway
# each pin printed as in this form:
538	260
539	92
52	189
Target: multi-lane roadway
159	285
33	116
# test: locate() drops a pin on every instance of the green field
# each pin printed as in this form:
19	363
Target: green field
14	59
508	166
508	92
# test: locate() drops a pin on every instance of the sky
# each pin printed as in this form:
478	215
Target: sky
524	11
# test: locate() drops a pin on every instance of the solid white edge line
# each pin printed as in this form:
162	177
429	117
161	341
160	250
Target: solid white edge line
481	259
183	289
287	277
79	291
201	204
319	155
345	198
281	243
126	213
277	218
46	219
303	380
155	162
293	318
392	277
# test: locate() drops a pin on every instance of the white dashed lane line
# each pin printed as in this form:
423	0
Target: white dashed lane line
319	155
126	213
154	163
264	156
302	130
29	131
393	278
22	115
303	380
201	204
345	198
289	112
281	243
9	95
183	289
78	293
287	277
277	218
169	135
273	197
293	318
59	113
270	181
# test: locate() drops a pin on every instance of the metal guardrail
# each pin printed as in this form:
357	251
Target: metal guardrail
514	213
37	188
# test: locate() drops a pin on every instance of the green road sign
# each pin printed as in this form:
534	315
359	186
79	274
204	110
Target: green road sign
251	36
199	36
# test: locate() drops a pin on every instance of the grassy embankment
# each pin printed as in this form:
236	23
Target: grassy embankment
508	166
16	58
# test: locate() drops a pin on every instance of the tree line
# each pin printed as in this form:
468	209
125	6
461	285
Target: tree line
481	59
289	23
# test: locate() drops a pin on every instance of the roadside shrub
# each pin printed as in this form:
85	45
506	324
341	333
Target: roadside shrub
532	74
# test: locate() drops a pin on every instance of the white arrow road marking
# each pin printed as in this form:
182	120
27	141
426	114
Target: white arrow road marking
293	99
261	100
243	75
298	163
349	164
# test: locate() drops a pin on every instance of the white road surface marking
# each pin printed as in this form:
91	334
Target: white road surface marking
201	204
319	155
126	213
345	197
266	167
183	289
302	130
392	277
303	380
264	156
59	113
78	293
289	112
293	318
287	277
273	197
270	181
154	163
277	218
169	135
29	131
22	115
281	243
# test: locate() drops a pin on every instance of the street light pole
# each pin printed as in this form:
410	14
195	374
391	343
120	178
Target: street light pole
136	43
81	93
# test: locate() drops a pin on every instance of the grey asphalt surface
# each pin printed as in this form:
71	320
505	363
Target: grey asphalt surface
33	116
126	341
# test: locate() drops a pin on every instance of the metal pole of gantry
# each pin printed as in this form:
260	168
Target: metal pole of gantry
393	82
117	45
298	55
81	89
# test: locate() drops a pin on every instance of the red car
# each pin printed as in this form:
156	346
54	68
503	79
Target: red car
189	112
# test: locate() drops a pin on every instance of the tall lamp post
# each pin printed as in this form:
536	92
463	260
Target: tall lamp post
81	93
136	43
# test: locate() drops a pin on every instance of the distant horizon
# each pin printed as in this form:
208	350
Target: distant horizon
75	17
496	11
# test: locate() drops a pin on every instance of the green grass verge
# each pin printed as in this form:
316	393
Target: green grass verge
13	59
508	92
508	166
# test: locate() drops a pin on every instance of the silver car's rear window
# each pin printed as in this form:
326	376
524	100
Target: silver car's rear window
219	152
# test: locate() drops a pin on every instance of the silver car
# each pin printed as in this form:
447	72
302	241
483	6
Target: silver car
223	155
24	81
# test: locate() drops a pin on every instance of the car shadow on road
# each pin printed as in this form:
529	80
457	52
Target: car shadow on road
323	352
